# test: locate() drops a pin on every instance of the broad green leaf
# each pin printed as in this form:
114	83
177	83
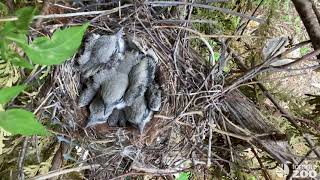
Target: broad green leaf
19	121
6	94
20	26
8	28
62	45
25	16
19	38
21	62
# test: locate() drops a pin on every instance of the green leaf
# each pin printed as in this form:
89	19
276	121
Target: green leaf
8	28
25	16
20	26
20	38
183	176
216	56
6	94
3	9
17	61
62	45
19	121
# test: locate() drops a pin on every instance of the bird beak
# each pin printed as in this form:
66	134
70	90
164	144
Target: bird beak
141	127
88	125
120	32
91	123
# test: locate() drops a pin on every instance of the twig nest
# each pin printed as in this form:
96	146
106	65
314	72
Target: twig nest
119	80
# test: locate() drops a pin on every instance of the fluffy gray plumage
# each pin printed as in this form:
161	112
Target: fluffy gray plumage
113	83
105	52
138	114
90	41
119	82
122	69
86	96
109	94
153	96
140	77
97	112
112	91
116	118
93	86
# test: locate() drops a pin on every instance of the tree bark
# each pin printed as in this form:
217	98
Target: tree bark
309	16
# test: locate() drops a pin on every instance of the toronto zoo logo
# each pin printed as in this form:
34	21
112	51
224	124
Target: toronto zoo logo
301	171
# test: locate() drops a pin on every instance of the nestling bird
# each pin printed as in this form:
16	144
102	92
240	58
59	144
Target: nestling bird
118	74
153	97
93	86
140	77
112	91
87	95
97	114
100	54
104	54
138	114
115	83
90	41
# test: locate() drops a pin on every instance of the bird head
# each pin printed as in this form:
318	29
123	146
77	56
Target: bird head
146	118
94	123
120	41
150	52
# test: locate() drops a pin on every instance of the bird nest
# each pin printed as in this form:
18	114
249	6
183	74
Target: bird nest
180	136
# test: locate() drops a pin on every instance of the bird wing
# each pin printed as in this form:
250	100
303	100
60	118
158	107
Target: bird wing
97	114
113	90
103	49
86	96
138	114
86	55
140	77
134	113
153	96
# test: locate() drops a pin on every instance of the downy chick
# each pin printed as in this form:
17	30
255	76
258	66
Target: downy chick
153	96
138	114
124	67
140	77
104	54
97	115
90	41
93	85
87	95
113	89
